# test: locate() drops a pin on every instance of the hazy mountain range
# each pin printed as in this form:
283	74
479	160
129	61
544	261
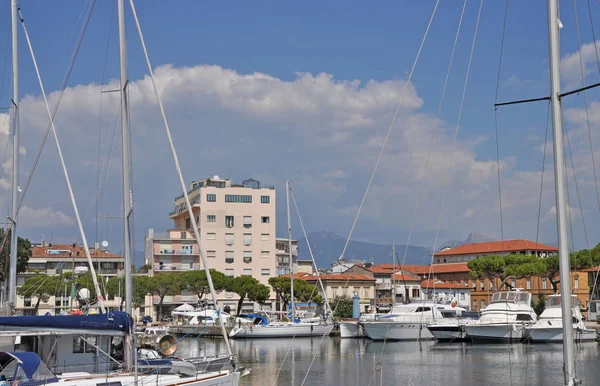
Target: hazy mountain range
328	246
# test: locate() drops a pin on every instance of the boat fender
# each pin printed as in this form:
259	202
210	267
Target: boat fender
453	304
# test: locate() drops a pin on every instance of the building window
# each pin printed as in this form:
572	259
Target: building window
229	238
576	283
211	218
184	234
265	199
27	302
229	273
247	257
265	237
247	272
188	223
211	198
544	283
247	238
211	236
513	283
211	254
264	254
415	293
229	257
528	283
265	219
482	284
247	221
482	306
238	198
229	221
474	304
265	272
462	296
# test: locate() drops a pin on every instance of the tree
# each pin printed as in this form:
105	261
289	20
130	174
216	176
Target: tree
306	292
490	267
145	268
197	282
41	287
540	305
260	294
519	266
140	290
343	306
115	287
164	284
247	286
281	286
23	254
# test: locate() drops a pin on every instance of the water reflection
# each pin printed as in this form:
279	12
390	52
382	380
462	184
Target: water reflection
356	362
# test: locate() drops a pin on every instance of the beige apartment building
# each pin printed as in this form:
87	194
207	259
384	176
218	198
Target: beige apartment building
237	227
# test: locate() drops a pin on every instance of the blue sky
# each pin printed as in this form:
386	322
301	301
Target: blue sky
304	128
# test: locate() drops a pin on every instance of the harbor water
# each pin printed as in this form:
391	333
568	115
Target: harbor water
334	361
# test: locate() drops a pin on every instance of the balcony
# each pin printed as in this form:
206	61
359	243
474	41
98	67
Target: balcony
383	301
383	286
177	252
175	267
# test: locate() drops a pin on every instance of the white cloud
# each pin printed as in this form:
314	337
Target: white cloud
573	213
570	64
43	218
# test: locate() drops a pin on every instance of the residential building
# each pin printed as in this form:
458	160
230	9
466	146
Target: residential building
283	255
237	226
472	251
340	284
447	292
305	266
405	287
55	259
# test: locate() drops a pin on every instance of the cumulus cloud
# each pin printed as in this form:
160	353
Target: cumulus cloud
570	64
322	133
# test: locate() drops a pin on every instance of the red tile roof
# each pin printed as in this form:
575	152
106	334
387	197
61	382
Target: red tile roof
383	269
591	269
437	268
336	277
497	246
67	251
404	277
440	284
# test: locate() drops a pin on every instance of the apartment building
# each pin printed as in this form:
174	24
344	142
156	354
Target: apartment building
55	259
472	251
283	255
237	227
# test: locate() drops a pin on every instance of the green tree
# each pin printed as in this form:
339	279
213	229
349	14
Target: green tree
164	284
281	287
140	290
23	254
42	287
521	266
247	286
196	281
306	292
540	305
260	294
490	267
145	268
343	306
115	287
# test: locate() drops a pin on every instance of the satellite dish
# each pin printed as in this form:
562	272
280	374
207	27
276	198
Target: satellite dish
104	244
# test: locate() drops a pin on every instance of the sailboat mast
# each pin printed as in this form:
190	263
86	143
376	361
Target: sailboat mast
126	136
12	281
554	26
393	270
289	221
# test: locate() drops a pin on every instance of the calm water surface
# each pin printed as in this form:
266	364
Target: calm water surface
355	362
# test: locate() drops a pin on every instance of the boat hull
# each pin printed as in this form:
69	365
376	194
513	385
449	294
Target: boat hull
496	332
397	331
280	331
555	334
351	330
447	332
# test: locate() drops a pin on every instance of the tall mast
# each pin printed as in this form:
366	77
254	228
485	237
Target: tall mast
127	194
12	280
559	180
289	221
393	282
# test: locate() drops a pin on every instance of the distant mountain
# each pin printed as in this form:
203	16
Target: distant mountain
327	247
471	238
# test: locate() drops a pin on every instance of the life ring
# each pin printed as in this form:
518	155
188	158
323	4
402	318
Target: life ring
453	304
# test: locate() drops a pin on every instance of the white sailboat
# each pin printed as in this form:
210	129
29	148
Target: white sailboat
275	329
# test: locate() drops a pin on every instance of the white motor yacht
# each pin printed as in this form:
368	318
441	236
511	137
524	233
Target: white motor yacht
451	327
504	319
406	322
549	326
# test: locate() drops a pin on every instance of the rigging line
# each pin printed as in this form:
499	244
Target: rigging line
568	197
462	101
496	122
64	167
585	99
100	115
312	256
432	139
81	13
539	216
180	177
593	35
389	131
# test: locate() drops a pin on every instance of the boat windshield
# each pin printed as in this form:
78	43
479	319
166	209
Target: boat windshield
503	297
555	301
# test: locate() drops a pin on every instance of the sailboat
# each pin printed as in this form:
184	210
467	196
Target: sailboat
276	329
170	372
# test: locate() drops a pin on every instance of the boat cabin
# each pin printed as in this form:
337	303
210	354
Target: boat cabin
511	297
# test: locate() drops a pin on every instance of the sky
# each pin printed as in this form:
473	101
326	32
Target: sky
306	92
